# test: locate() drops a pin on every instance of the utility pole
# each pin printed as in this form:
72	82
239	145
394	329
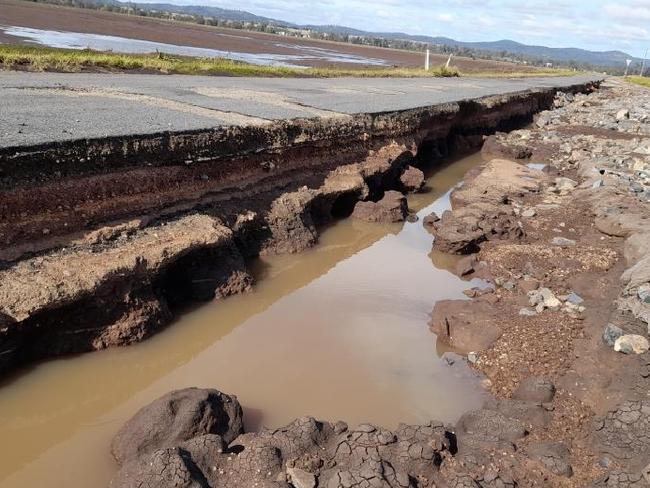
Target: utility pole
643	64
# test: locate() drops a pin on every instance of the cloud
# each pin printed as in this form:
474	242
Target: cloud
603	25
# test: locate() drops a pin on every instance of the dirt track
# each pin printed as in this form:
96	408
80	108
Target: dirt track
94	22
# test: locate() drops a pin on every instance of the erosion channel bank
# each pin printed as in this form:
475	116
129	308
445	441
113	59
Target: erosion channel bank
338	331
135	270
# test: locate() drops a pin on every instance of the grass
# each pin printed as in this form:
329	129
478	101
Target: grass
74	60
37	58
639	80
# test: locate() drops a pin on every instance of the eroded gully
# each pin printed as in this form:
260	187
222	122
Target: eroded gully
336	332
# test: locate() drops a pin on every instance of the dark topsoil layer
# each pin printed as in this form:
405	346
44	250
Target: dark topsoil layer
94	22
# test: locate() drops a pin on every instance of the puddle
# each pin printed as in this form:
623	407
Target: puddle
337	332
98	42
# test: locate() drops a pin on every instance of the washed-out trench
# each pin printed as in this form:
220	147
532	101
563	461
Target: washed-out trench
338	331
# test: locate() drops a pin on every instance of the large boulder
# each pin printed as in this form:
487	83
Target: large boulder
177	417
391	208
489	426
464	229
466	325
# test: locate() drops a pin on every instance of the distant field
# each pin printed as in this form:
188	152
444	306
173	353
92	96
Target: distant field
306	51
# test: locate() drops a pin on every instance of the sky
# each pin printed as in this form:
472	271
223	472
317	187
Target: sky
599	25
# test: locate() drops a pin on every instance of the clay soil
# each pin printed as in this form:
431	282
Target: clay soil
94	22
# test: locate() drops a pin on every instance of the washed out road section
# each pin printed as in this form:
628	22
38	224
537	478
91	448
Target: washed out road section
38	108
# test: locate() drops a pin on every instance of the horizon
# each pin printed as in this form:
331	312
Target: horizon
619	27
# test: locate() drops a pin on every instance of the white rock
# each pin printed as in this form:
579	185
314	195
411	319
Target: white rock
631	343
542	299
623	114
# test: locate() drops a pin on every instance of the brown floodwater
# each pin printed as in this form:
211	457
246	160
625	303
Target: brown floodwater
337	332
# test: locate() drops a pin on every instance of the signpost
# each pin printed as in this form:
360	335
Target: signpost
643	64
627	67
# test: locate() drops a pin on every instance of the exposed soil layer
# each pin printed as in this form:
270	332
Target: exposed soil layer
49	17
560	334
101	239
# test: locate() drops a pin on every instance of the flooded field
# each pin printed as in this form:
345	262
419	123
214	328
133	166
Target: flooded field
337	332
98	42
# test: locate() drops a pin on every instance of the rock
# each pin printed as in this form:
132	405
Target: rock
490	426
597	184
535	389
611	333
527	312
574	299
412	218
300	478
466	265
464	229
175	418
528	413
528	213
466	325
412	179
391	208
543	119
164	468
542	299
553	456
430	219
472	357
644	293
509	285
564	184
622	114
631	343
563	242
498	182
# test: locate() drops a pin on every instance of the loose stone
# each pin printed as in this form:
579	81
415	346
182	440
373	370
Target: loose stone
631	343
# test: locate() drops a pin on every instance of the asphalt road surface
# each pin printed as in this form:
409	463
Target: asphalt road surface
37	108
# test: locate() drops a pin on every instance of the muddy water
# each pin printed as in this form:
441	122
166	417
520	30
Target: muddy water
338	332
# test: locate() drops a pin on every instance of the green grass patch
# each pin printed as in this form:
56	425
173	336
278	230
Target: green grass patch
37	58
639	80
32	58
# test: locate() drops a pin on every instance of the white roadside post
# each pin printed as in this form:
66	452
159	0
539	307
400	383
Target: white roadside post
643	64
448	61
426	61
627	67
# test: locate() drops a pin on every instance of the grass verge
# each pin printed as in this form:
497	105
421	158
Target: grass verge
37	58
31	58
639	80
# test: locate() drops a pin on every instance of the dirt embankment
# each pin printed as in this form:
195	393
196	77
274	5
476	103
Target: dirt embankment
560	334
101	240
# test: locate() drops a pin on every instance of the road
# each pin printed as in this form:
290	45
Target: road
38	108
